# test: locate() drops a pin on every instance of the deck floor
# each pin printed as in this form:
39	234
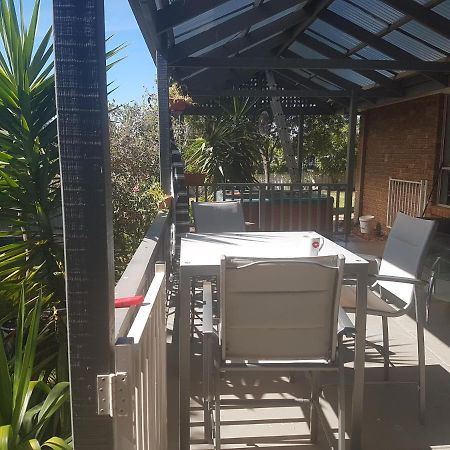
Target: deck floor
262	411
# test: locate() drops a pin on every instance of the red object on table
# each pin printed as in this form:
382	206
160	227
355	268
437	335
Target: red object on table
125	302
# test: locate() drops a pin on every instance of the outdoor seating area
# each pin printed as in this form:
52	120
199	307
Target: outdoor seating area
257	314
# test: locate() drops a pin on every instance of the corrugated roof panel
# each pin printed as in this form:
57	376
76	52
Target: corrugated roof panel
316	79
413	46
281	14
326	41
210	19
372	53
305	52
380	10
426	34
357	16
334	34
443	9
352	76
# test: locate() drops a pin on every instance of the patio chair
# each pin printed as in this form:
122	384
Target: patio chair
397	286
277	315
215	217
218	217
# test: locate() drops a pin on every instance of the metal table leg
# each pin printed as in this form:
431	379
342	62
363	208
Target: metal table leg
360	344
184	358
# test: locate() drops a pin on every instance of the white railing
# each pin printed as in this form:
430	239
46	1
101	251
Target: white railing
141	355
408	197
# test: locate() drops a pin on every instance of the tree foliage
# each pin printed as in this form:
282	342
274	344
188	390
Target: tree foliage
226	146
134	175
325	141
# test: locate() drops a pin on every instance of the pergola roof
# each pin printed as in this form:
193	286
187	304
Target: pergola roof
317	49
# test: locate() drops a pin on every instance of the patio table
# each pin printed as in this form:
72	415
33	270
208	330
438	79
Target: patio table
200	256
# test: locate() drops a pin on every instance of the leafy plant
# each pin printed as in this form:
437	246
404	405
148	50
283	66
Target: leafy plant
30	199
227	148
134	173
32	405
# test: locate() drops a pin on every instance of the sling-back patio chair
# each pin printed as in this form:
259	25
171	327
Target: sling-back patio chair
397	287
276	314
218	217
215	217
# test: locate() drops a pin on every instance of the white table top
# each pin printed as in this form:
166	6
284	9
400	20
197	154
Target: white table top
206	249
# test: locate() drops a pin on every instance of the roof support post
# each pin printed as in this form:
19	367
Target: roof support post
350	170
80	69
283	131
165	159
300	144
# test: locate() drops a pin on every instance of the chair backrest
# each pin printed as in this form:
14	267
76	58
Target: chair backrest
404	254
280	309
218	217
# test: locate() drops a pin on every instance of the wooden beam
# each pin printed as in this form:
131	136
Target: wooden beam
380	44
330	52
267	93
260	63
350	169
179	12
228	28
422	14
311	12
144	15
83	137
165	158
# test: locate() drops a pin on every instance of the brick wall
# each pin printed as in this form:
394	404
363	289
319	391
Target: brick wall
402	141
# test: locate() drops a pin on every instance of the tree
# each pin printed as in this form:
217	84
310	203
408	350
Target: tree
325	140
134	175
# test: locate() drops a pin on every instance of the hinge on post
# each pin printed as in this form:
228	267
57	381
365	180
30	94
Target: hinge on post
113	394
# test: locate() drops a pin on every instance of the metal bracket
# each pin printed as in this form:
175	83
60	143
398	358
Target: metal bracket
113	395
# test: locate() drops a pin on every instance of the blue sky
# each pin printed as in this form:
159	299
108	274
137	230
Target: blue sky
136	73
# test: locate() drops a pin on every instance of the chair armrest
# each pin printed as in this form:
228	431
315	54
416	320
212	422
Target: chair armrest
207	308
374	263
396	279
345	325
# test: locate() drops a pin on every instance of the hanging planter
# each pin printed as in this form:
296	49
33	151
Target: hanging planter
194	179
178	105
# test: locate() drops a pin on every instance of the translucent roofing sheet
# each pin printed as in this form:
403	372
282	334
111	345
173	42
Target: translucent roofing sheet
426	34
281	14
380	10
334	34
358	16
443	9
413	46
325	41
210	19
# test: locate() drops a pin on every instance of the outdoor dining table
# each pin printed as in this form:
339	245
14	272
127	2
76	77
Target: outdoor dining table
200	256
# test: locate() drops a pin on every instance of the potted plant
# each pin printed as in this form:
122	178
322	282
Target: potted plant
177	100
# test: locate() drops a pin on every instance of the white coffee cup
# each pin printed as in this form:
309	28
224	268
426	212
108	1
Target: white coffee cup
315	244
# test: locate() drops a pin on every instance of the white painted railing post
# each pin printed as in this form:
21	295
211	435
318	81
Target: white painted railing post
141	353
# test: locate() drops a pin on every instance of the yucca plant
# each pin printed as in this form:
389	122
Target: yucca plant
30	199
32	404
227	149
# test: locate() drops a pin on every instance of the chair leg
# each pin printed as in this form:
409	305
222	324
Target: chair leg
341	398
386	347
314	418
420	318
207	391
217	411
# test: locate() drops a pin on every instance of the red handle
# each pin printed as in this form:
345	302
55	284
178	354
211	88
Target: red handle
125	302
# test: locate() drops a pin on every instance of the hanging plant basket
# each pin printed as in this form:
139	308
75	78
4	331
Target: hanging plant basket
194	179
177	105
